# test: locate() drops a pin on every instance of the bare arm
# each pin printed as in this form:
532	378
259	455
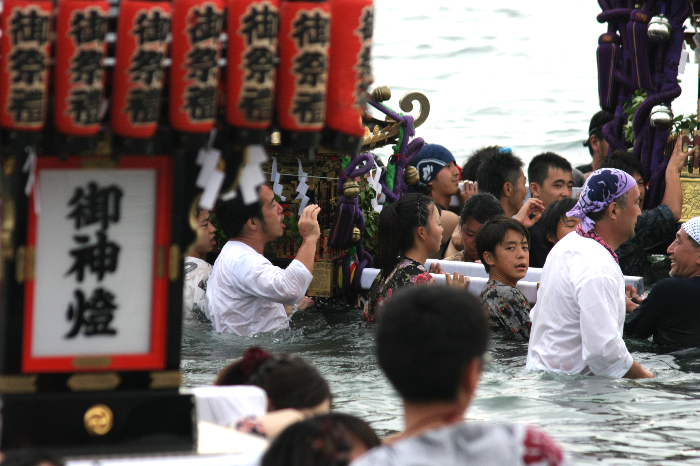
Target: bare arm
310	233
673	195
455	243
449	221
638	372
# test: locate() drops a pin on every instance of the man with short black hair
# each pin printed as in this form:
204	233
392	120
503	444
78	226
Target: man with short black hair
596	143
656	227
551	180
581	302
502	175
472	164
430	345
670	312
246	293
477	210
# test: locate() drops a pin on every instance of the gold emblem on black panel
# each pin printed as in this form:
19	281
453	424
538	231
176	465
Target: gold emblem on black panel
99	420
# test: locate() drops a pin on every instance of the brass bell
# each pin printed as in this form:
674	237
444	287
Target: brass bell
351	189
659	29
661	117
410	175
381	93
355	237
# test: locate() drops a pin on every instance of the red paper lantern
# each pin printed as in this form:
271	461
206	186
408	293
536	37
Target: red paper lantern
142	29
194	70
25	55
349	72
81	27
250	74
302	77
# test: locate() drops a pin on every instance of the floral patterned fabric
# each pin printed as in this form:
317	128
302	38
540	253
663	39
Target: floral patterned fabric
508	310
406	272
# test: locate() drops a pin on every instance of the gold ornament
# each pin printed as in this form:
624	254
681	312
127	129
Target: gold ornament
355	237
351	189
99	420
410	175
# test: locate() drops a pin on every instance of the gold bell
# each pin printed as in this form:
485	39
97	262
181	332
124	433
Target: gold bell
355	237
410	175
351	189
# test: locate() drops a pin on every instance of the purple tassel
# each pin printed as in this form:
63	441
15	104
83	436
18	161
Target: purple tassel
638	38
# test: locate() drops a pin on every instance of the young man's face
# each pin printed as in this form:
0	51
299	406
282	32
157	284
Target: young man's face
272	225
446	182
558	185
469	230
511	257
520	192
205	234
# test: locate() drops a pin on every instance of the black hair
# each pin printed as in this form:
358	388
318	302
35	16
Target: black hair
289	381
357	427
318	441
425	336
540	165
625	161
482	207
234	214
493	233
471	166
556	211
496	170
595	128
397	227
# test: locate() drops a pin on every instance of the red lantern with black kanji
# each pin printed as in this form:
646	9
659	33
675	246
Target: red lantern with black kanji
250	75
142	30
81	27
349	71
25	56
302	76
194	70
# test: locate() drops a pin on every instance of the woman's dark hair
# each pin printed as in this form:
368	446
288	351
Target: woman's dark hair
357	427
233	215
318	441
397	227
425	337
494	232
289	381
551	216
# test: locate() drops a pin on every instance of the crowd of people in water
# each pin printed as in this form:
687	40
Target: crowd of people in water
586	228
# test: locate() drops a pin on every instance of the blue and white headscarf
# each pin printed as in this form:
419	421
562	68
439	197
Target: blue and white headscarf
600	189
692	227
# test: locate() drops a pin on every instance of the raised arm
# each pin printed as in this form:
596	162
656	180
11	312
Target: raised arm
673	195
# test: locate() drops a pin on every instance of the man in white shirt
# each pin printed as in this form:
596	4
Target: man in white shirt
578	320
246	292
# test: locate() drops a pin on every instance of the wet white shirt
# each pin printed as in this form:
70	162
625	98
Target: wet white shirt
194	293
246	292
580	312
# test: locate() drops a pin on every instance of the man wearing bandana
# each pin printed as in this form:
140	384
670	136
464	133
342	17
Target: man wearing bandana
670	312
578	320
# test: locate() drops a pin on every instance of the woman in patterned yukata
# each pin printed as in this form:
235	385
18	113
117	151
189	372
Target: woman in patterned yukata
503	246
409	232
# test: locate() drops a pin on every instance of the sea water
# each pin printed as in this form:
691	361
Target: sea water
523	75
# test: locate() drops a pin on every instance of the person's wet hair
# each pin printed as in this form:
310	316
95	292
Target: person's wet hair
481	207
425	336
397	227
289	381
233	214
625	161
595	127
318	441
498	169
540	164
493	233
471	166
555	212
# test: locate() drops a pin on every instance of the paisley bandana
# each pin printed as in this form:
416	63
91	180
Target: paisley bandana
692	227
602	187
595	237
